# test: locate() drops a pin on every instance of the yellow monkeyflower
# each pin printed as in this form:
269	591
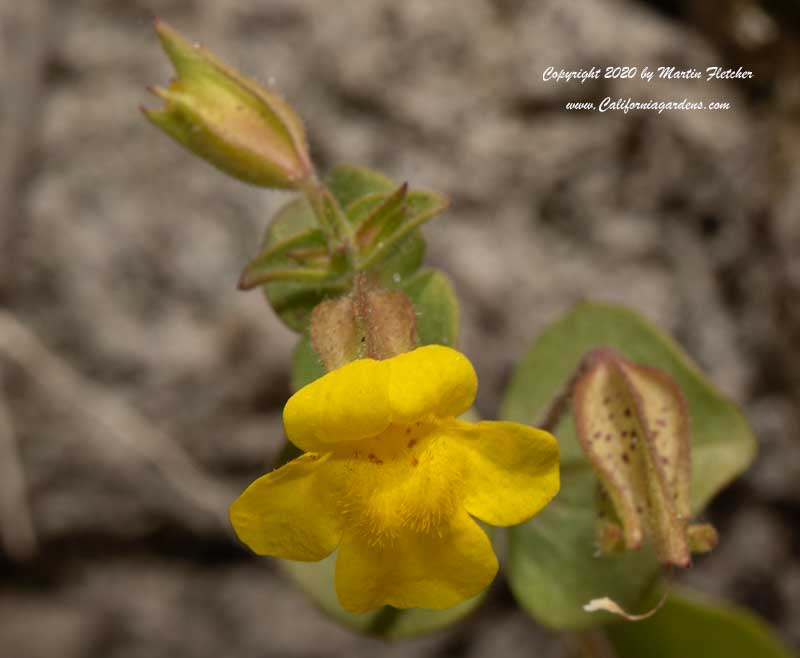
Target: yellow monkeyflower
392	480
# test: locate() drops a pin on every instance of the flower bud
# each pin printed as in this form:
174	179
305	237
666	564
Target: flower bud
238	126
633	424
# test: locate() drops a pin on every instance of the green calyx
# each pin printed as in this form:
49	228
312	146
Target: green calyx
245	130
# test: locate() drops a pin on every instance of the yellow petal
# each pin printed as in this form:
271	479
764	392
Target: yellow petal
434	380
348	404
512	470
286	513
361	399
437	569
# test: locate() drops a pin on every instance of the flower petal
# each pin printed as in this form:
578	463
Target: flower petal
437	569
512	469
286	513
434	380
347	404
361	399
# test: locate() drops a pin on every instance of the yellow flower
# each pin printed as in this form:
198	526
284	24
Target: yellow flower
392	479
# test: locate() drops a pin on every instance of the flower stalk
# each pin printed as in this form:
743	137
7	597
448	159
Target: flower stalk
333	223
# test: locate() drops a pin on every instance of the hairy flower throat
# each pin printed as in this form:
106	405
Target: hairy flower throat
404	478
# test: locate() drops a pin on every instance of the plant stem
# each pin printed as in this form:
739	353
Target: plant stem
332	220
384	620
561	403
250	280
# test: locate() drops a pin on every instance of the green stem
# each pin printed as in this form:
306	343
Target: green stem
561	403
384	620
251	280
332	220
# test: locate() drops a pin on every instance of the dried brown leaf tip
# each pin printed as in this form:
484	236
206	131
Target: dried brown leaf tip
633	424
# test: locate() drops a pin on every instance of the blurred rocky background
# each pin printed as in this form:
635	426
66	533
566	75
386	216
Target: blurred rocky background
141	392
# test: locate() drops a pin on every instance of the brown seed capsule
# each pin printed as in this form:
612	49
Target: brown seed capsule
648	488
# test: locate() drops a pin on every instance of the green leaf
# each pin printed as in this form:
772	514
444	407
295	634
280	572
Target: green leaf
294	286
293	229
420	206
293	218
436	305
317	580
405	258
306	364
387	214
689	626
403	262
552	568
349	183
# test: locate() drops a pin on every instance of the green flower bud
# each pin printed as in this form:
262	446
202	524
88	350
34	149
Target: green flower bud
243	129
